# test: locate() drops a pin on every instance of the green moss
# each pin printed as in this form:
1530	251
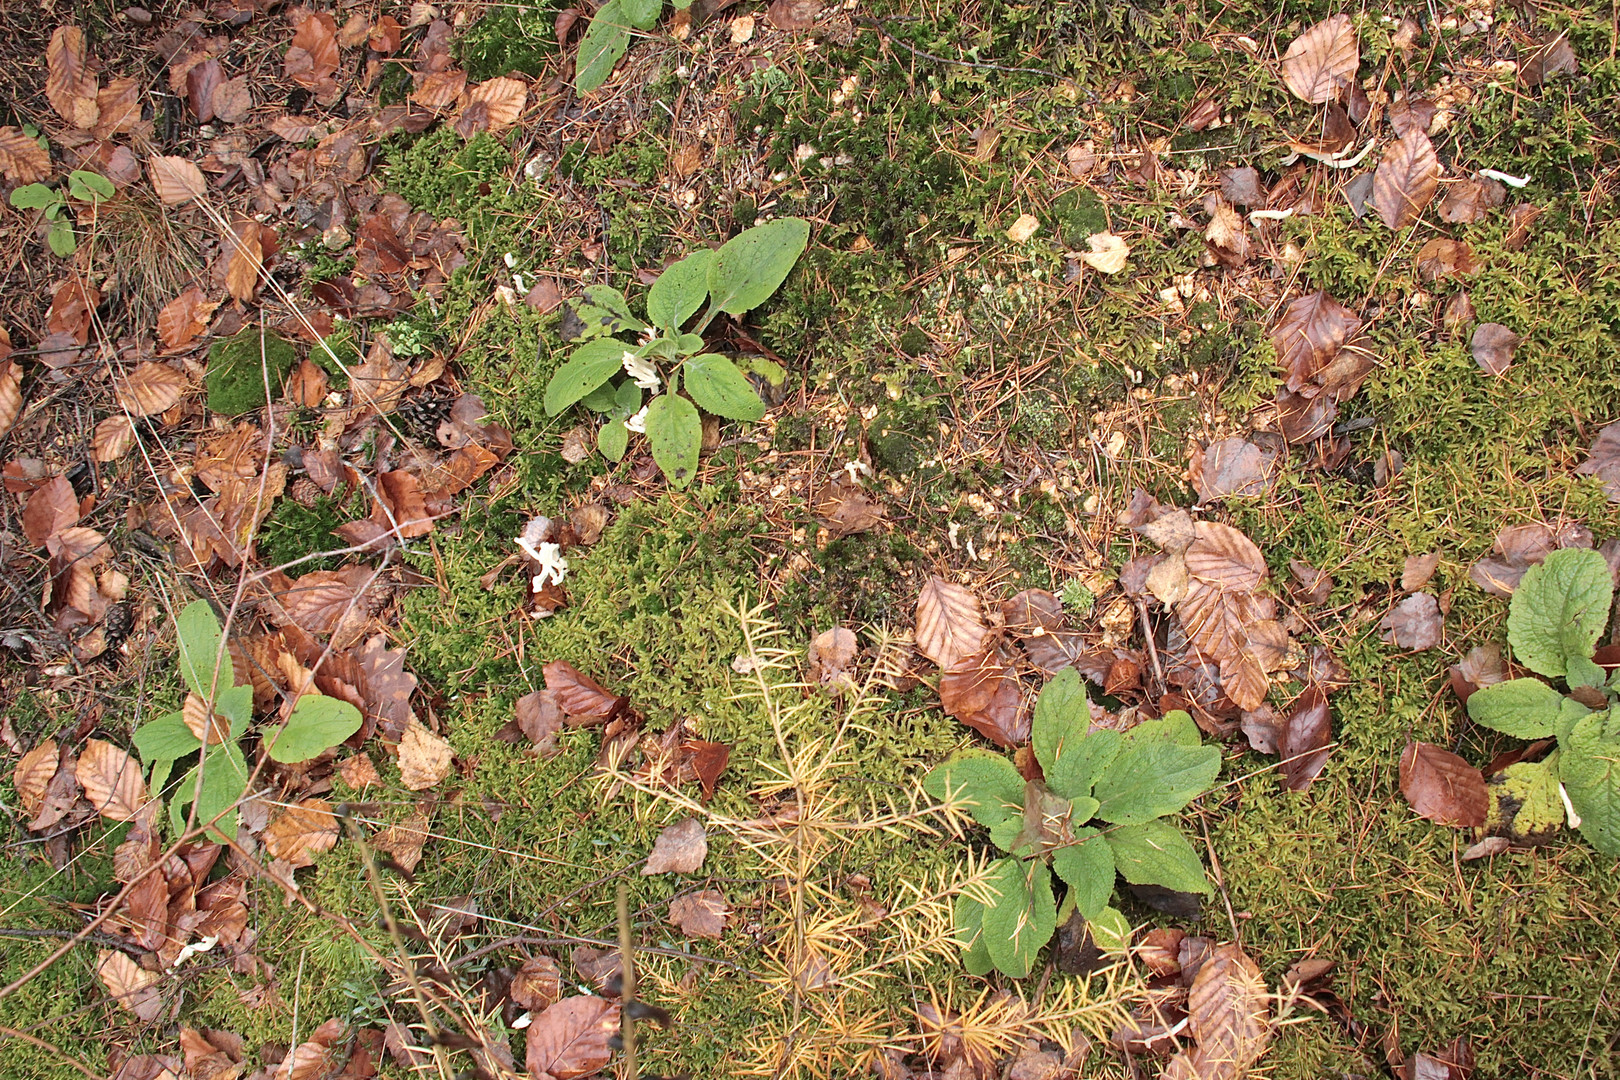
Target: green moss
241	367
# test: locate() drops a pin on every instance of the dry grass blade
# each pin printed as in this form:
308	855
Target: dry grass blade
949	626
1406	180
1322	61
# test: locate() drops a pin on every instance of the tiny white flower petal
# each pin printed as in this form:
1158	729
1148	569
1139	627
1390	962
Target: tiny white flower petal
638	422
511	260
641	370
1569	808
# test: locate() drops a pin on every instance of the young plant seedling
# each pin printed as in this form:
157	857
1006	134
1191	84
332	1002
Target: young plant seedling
608	36
86	187
1099	810
1555	618
317	724
738	277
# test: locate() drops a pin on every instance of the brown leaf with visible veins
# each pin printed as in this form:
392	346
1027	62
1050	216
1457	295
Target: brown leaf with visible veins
313	58
69	85
246	263
1406	180
233	100
176	180
571	1038
983	693
582	698
1553	57
1471	200
440	89
424	758
1493	346
679	849
183	318
1416	623
201	82
538	718
111	780
1445	258
700	914
151	388
1321	63
538	984
949	626
204	722
503	100
51	508
1442	786
22	160
1228	1013
1603	460
132	986
300	832
322	599
1308	729
1224	558
1312	331
33	774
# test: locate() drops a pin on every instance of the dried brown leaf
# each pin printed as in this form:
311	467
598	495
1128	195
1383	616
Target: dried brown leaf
831	658
232	100
538	984
201	82
1418	570
184	317
204	722
1406	180
503	100
246	246
1233	468
1442	786
440	89
1471	200
1552	57
1603	460
1305	734
313	57
404	839
176	180
1493	346
132	986
33	774
1229	1015
1311	333
424	758
1223	558
700	914
1321	63
69	85
793	14
300	832
1416	623
949	626
151	388
583	699
571	1038
22	159
50	508
679	849
984	693
538	718
111	779
1445	258
844	509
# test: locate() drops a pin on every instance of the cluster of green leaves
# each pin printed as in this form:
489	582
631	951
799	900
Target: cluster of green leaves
738	277
608	37
218	779
1557	614
85	187
1124	782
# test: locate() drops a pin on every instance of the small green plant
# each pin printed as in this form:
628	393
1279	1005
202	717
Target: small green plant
738	277
317	724
1555	618
1124	782
86	187
608	37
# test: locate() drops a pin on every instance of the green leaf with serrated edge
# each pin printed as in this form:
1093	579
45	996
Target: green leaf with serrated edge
1581	671
590	365
34	197
1559	610
984	784
752	265
1589	767
600	400
1111	930
613	439
679	291
715	383
1523	708
1087	868
1153	776
1570	713
317	723
61	240
1062	717
1023	917
603	44
687	344
1004	834
1083	762
609	299
968	918
676	433
643	14
201	647
1156	853
1179	727
626	400
167	737
1524	802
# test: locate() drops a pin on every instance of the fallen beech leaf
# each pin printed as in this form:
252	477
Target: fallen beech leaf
1603	460
1406	180
51	508
400	494
321	600
385	36
440	89
538	718
33	774
571	1038
1229	1015
300	832
583	700
176	180
1416	623
538	984
793	14
183	318
1308	729
69	85
1411	114
1311	333
151	388
948	626
404	839
132	986
679	849
1419	569
1442	786
1108	253
1322	62
1471	200
313	57
201	82
246	246
1224	558
830	657
204	722
317	1058
1233	468
111	779
358	771
700	914
22	160
983	693
503	98
844	509
1492	346
1025	227
118	105
232	100
424	758
1554	57
1445	258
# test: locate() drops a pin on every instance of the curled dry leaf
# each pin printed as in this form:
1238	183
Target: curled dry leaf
300	832
246	263
183	318
151	388
572	1038
132	986
1321	63
176	180
1442	786
584	701
33	774
679	849
1108	253
111	780
700	914
424	758
313	56
1493	346
1445	258
983	693
949	626
1406	180
831	657
1310	335
404	839
22	160
844	509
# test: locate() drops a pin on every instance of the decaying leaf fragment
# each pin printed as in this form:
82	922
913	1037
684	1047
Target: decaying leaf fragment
679	849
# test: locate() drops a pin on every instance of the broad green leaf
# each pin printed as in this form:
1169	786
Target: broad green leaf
1083	761
1111	930
679	291
61	239
160	776
1179	726
89	186
687	344
235	703
626	400
1005	833
1581	671
167	737
1156	853
1062	718
591	365
1589	766
984	784
752	265
224	780
715	383
1153	775
1559	609
610	300
969	919
604	42
1087	868
764	367
613	439
681	5
33	197
1570	713
1023	917
600	400
1523	708
202	645
643	14
676	433
1525	805
317	723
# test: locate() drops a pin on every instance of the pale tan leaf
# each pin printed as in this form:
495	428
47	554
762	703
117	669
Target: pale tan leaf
1406	180
949	626
403	840
504	98
183	318
299	833
233	100
33	772
440	89
424	758
22	160
69	85
132	986
1223	557
1229	1015
679	849
1322	61
246	262
176	180
1025	227
10	393
113	438
119	106
111	779
204	722
151	388
1108	253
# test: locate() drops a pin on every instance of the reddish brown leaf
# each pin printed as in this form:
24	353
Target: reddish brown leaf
300	832
1445	258
983	693
1553	57
184	317
1222	557
1311	333
233	100
151	388
538	718
1321	63
1493	346
1406	180
51	508
72	307
1416	623
538	984
404	839
1411	115
503	100
440	89
570	1039
132	986
1233	468
313	57
1442	786
1603	460
385	36
793	14
1228	1012
949	626
400	498
22	160
201	82
700	914
1471	200
679	849
1307	731
320	600
69	85
247	255
583	699
1418	570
